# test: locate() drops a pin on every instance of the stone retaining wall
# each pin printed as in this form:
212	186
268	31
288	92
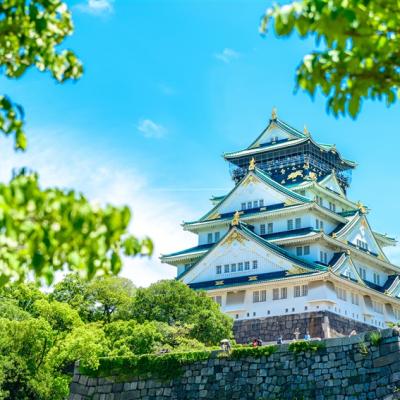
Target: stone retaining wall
320	324
347	368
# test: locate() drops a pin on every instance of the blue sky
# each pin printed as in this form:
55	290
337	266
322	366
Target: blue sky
170	85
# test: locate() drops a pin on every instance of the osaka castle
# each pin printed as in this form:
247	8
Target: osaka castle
287	250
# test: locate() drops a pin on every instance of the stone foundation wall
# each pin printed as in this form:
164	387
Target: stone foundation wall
320	324
348	368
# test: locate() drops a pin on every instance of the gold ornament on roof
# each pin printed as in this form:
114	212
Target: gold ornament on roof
235	237
306	131
236	218
361	207
274	113
252	164
294	175
312	176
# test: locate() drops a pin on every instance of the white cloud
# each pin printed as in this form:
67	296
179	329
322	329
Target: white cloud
150	129
158	216
96	7
227	55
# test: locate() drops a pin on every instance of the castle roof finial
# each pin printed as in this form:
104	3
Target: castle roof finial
252	164
236	218
306	131
361	207
274	113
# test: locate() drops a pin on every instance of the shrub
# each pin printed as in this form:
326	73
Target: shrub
375	338
304	346
242	352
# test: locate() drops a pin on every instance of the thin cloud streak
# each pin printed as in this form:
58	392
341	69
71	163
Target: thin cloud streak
151	129
227	55
96	7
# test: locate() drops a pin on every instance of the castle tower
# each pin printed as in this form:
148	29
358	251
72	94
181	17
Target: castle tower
286	248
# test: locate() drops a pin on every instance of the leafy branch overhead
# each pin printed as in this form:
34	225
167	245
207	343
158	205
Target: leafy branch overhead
47	230
30	35
357	55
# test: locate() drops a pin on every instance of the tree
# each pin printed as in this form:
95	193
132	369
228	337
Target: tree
30	34
358	49
174	303
102	299
47	230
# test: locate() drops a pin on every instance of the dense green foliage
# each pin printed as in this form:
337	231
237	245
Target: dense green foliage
358	49
163	366
249	351
47	230
97	322
30	34
173	302
303	346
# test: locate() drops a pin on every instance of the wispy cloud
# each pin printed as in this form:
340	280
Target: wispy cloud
227	55
157	216
96	7
150	129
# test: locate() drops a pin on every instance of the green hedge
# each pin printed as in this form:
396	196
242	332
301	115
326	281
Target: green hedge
164	366
305	345
242	352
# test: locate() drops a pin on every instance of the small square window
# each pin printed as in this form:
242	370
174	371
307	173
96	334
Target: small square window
290	224
261	203
262	229
243	206
306	250
298	223
233	267
270	227
299	251
255	264
226	268
240	266
283	293
255	203
218	269
247	265
275	294
249	204
216	236
209	238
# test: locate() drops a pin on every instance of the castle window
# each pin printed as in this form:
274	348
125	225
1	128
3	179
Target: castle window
240	266
299	251
261	203
247	265
300	291
255	203
233	267
209	238
270	227
323	257
216	236
249	204
377	278
262	229
218	300
255	264
362	245
354	298
341	294
297	291
218	269
363	273
226	268
243	206
306	250
332	206
378	307
298	223
259	296
275	294
304	290
283	293
290	224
